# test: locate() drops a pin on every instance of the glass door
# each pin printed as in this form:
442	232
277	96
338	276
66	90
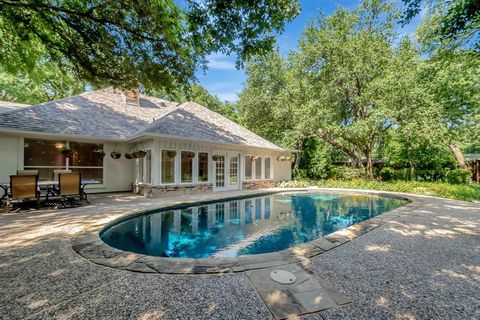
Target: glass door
220	172
233	172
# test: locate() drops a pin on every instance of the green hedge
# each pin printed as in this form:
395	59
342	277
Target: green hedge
346	173
459	176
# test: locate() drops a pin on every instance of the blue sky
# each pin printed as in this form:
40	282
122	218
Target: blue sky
225	81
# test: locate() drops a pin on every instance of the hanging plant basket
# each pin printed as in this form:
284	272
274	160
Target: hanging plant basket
67	152
254	158
140	154
216	157
171	154
284	158
99	153
115	155
189	155
128	156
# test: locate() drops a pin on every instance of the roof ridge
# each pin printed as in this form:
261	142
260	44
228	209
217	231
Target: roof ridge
156	120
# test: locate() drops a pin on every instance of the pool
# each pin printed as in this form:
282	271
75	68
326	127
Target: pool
244	226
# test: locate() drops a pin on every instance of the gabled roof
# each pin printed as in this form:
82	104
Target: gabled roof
193	121
106	114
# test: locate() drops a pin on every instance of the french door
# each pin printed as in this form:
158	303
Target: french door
227	172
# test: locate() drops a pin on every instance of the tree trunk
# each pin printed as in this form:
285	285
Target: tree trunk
369	167
458	154
411	162
298	147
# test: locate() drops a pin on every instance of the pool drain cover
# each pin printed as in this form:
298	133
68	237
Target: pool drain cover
283	276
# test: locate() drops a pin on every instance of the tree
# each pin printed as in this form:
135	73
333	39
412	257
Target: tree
345	57
44	82
126	43
457	21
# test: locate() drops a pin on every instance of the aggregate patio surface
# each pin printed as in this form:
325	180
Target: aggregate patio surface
424	264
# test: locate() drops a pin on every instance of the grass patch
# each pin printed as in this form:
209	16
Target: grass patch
436	189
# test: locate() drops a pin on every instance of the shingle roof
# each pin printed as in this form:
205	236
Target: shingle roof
191	120
101	113
6	106
106	114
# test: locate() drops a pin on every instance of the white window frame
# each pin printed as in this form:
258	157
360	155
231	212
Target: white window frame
175	165
144	160
194	180
67	165
197	156
264	167
245	169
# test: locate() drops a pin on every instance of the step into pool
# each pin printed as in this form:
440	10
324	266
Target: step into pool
245	226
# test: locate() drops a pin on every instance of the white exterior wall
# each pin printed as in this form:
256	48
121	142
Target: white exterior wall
9	156
117	174
281	170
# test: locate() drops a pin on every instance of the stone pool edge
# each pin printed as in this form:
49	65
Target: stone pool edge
90	246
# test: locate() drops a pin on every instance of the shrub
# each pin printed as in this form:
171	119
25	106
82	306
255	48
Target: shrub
300	174
346	173
459	176
387	174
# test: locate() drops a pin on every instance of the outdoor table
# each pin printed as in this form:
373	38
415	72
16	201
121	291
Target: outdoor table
49	185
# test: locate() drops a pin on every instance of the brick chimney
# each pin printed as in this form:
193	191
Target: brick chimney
132	97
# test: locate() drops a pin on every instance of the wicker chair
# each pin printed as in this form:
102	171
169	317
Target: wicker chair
23	188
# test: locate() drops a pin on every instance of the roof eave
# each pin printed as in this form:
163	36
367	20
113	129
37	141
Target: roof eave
59	135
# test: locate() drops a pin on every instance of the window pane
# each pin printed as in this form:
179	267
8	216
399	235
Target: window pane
203	166
90	173
168	166
84	154
258	168
140	170
267	168
187	166
43	152
148	167
248	168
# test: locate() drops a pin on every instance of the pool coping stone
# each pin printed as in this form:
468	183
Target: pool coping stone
90	246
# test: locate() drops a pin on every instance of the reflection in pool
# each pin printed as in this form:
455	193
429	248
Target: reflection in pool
244	226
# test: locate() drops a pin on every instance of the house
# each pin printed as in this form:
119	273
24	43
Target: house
188	148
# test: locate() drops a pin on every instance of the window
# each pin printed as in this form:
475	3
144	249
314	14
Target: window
148	167
187	166
202	166
248	167
168	166
45	156
258	168
140	170
267	168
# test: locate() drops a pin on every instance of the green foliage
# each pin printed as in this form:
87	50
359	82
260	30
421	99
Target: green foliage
387	174
436	189
346	173
300	174
315	158
459	176
456	20
125	43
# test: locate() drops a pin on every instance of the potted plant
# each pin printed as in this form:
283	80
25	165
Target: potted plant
115	155
140	153
66	151
128	155
99	153
171	154
216	157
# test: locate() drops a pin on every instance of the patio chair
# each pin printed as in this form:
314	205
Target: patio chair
27	172
23	188
69	188
57	172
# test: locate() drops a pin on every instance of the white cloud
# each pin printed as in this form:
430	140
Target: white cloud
220	62
232	96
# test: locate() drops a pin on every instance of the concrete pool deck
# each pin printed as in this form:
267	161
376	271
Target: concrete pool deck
421	264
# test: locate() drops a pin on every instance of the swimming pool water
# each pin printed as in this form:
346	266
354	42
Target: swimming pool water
253	225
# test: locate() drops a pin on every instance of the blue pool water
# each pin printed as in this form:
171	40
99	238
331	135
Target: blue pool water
244	226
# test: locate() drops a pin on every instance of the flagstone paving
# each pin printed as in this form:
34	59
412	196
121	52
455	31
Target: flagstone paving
420	263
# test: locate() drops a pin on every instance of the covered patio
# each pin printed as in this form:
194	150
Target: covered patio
420	263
